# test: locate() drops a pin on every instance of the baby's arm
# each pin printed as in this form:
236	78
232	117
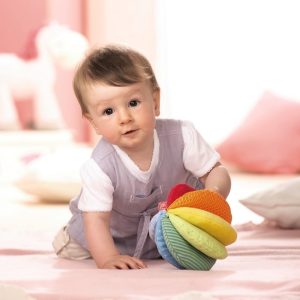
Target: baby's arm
199	156
102	246
217	180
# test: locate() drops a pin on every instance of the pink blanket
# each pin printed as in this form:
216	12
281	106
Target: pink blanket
263	264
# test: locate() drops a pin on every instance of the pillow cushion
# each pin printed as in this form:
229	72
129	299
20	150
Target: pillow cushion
54	176
198	238
185	254
210	223
280	204
268	141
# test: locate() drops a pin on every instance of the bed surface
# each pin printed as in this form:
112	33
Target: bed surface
264	263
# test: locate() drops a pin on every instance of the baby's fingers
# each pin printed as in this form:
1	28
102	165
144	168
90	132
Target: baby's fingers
129	262
124	262
139	263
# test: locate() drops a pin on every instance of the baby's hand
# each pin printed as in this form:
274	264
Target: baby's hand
123	262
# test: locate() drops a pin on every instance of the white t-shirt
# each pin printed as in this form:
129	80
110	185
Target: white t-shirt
97	189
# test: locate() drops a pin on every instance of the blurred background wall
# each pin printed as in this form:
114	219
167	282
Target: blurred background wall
213	58
19	21
217	58
129	22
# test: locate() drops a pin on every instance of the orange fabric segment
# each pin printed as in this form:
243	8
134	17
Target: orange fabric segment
206	200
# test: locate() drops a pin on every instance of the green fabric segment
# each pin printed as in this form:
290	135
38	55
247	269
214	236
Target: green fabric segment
185	254
198	238
207	221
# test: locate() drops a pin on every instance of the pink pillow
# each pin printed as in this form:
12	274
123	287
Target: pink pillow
268	141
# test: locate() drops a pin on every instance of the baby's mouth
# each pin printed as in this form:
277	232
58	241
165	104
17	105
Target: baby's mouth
130	131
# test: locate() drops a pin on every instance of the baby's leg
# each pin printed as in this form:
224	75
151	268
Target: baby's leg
66	247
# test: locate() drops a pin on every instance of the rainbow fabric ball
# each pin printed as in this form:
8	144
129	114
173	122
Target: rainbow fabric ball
193	228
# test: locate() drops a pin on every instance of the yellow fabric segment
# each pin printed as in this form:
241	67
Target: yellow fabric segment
210	223
198	238
206	200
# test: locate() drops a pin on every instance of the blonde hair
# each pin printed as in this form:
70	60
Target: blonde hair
112	65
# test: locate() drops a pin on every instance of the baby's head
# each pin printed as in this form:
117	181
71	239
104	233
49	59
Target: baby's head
113	66
119	95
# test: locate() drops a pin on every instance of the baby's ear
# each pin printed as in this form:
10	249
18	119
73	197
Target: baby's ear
156	100
88	117
91	121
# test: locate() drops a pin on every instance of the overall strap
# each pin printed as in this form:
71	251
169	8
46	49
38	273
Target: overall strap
144	222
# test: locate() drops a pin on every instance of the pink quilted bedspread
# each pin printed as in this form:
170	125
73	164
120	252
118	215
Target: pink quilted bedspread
264	263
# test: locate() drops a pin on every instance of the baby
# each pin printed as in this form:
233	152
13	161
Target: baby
138	159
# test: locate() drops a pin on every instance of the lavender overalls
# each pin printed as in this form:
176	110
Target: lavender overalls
135	202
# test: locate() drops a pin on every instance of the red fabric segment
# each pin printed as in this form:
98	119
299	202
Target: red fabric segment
177	191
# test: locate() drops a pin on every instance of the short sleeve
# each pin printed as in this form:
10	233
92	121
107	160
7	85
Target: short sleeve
97	188
198	156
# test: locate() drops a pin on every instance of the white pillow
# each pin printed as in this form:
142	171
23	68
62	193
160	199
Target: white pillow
280	204
55	176
8	291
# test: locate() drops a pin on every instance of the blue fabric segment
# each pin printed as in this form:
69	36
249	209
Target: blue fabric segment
153	223
161	244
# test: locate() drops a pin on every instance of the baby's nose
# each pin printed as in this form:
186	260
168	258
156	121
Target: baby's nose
124	116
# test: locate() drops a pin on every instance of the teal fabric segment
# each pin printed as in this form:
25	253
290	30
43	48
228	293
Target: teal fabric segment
186	255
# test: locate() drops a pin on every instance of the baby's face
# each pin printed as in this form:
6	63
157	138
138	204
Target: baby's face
124	116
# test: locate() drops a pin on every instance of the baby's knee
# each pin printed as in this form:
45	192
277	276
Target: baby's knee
66	247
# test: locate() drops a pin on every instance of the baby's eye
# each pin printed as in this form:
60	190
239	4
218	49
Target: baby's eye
108	111
133	103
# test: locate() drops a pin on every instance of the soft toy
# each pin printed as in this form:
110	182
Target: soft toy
35	78
192	228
